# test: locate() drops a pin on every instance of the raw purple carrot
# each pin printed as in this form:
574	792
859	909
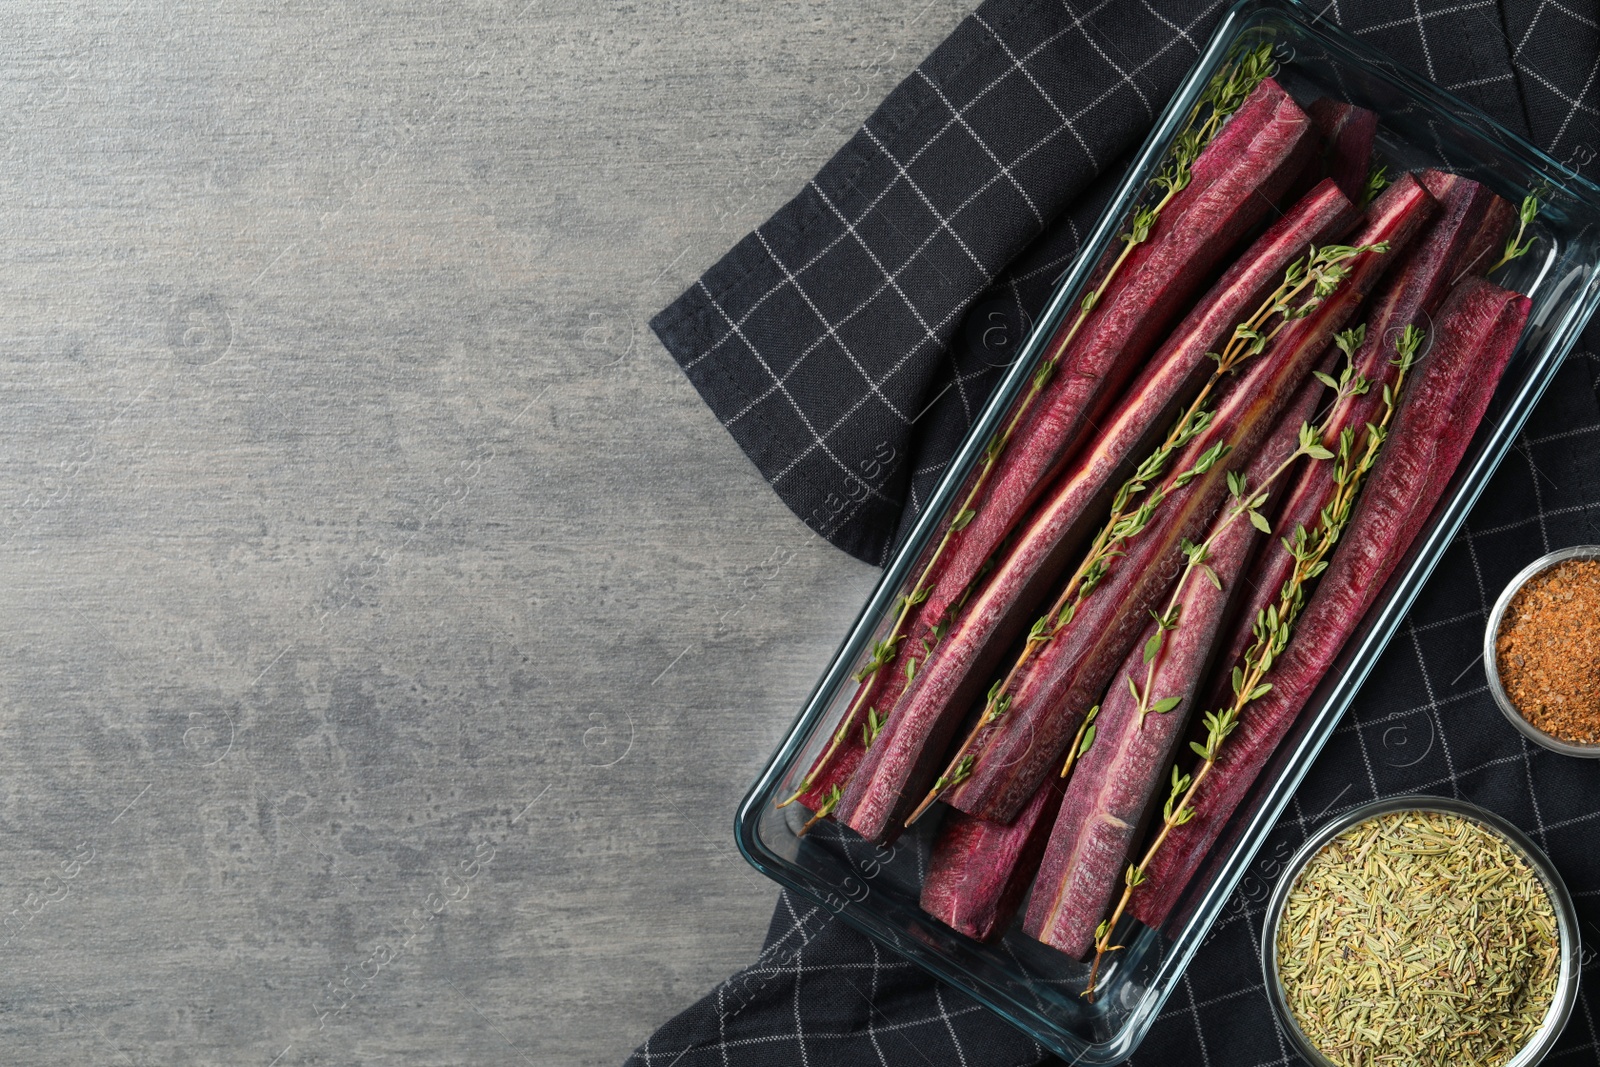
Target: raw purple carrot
1475	334
979	870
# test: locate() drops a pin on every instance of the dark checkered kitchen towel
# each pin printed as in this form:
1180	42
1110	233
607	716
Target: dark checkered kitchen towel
851	339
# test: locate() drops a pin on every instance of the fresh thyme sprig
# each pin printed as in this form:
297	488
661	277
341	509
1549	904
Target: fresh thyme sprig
1516	247
824	809
1246	500
870	728
1377	181
1083	741
960	772
1273	627
1307	282
1350	383
1226	91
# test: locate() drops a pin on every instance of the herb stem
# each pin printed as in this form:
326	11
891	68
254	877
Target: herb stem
1081	740
1516	248
824	809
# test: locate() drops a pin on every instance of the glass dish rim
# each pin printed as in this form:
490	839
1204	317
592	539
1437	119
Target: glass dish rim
1491	660
1382	621
1571	947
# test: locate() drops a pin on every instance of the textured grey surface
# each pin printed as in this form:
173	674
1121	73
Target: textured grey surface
390	631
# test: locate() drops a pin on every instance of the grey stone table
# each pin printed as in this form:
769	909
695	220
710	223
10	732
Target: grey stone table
390	632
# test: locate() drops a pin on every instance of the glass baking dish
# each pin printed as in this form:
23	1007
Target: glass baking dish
875	888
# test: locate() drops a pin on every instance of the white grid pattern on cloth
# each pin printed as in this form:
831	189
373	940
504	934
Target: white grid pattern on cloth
805	275
1003	171
957	118
1067	124
1426	692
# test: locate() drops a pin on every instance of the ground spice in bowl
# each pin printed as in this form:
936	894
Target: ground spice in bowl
1418	938
1547	651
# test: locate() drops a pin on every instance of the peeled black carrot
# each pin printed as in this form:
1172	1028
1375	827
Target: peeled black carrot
1347	134
1233	183
944	686
1411	293
1475	333
980	870
1017	752
1113	785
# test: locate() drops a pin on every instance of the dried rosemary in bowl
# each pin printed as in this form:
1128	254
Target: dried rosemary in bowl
1418	939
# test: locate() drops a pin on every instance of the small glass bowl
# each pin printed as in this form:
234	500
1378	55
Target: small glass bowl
1491	660
1566	993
